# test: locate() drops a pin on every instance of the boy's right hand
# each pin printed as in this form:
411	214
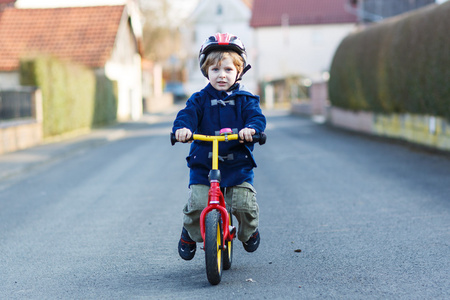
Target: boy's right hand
183	135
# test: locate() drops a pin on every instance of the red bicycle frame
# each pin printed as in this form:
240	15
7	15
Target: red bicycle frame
216	201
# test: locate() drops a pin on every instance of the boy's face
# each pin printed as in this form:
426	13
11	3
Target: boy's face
222	75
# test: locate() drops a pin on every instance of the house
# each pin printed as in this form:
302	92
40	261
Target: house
295	42
298	37
208	18
105	38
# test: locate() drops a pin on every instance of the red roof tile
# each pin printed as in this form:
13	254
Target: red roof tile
300	12
82	34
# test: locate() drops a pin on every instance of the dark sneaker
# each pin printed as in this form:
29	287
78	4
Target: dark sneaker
252	243
186	246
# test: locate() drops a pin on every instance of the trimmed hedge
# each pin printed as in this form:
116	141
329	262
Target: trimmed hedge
106	97
73	96
401	65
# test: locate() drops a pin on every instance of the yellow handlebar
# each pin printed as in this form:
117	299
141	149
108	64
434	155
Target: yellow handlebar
220	138
215	139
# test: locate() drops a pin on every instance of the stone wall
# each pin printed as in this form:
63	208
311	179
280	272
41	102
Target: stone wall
430	131
23	133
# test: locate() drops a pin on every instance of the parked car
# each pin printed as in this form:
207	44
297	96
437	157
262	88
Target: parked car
177	89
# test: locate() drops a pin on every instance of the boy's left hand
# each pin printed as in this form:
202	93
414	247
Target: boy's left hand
246	134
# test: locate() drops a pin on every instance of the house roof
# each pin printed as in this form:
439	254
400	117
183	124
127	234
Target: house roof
82	34
305	12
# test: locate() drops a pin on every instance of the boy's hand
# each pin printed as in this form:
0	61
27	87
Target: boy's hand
183	135
246	134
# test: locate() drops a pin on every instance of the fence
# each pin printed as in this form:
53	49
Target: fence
20	119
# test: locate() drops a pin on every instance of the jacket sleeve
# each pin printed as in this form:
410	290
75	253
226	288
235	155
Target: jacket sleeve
189	117
253	115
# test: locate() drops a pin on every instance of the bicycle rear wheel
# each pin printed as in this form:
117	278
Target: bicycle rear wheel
228	251
213	247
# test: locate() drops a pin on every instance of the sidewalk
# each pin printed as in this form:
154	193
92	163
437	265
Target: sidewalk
20	162
16	163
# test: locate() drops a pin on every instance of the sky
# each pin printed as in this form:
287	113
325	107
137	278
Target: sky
180	8
61	3
180	5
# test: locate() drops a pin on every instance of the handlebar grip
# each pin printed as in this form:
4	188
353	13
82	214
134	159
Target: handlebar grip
260	138
173	139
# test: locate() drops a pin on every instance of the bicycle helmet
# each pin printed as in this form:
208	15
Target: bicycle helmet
222	41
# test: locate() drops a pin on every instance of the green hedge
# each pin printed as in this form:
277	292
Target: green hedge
73	96
397	66
105	109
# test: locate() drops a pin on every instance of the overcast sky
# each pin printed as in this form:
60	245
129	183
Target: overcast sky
177	4
182	6
60	3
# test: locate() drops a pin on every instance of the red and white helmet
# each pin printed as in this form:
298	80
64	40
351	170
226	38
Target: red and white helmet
222	41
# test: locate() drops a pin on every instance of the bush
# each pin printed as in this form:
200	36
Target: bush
73	96
105	109
400	65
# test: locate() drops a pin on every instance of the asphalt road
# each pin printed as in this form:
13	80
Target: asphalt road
342	216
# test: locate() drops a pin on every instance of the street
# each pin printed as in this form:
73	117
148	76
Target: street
342	216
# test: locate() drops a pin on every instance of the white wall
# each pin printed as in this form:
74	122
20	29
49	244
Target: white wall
297	50
205	22
9	80
125	68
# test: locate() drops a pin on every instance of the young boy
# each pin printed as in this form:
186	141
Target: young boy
223	103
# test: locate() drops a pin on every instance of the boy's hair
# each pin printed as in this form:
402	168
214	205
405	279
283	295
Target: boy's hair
216	57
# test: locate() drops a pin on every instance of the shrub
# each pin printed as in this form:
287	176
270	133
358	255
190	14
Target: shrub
73	96
399	65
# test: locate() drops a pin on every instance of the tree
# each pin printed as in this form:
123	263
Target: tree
160	33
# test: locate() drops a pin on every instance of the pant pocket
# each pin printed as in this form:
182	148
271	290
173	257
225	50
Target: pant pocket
244	198
198	199
245	209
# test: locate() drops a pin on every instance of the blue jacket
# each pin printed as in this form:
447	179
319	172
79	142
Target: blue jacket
207	112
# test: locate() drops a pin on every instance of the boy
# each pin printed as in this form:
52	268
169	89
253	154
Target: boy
223	103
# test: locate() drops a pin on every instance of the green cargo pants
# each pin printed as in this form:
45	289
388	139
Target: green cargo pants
241	199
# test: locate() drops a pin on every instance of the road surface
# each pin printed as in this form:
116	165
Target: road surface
342	216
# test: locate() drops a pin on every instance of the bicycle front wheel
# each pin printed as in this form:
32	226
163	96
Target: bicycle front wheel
213	247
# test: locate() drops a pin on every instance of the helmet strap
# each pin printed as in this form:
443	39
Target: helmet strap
239	78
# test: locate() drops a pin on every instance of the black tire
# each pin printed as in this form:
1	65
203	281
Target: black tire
228	251
213	247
